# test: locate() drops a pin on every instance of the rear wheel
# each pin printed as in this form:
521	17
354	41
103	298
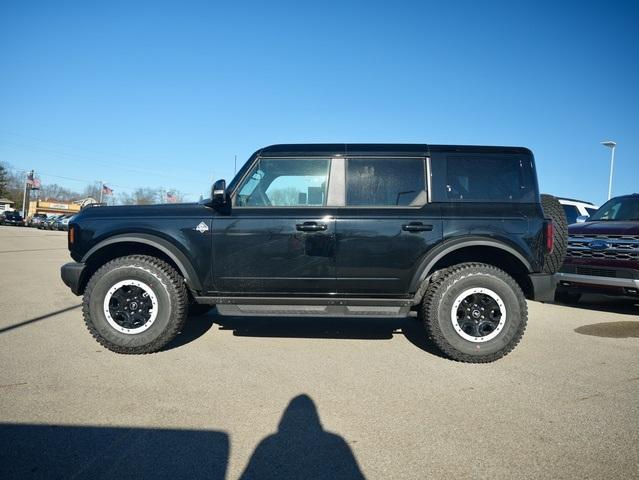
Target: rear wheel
135	304
554	211
474	312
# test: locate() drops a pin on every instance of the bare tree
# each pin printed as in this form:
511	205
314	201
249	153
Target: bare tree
4	181
141	196
92	190
53	191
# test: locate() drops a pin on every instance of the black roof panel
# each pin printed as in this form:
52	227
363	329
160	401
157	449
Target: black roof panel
398	149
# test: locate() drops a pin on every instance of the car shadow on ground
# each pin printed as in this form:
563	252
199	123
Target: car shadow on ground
300	448
193	329
347	328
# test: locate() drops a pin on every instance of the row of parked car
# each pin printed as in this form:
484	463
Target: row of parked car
50	222
41	221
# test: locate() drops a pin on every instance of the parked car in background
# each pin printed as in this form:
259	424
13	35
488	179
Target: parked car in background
2	214
603	253
49	223
37	219
576	208
13	218
62	223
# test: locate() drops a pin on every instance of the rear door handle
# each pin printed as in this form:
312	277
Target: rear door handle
311	227
416	227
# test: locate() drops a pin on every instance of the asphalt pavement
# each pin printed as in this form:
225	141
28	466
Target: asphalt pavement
241	397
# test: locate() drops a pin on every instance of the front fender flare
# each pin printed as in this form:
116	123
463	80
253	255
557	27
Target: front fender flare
166	247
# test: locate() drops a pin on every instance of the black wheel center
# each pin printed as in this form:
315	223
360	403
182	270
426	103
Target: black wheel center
478	315
130	306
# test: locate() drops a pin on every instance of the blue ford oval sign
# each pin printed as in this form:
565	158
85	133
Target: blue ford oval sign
599	245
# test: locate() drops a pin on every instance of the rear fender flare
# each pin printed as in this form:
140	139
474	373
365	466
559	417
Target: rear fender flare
446	248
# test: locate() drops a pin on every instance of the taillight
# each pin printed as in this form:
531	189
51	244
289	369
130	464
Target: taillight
550	234
71	235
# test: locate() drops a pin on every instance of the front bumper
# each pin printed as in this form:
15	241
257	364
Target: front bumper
544	285
595	283
71	274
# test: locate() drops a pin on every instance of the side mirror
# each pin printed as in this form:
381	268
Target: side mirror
582	218
218	193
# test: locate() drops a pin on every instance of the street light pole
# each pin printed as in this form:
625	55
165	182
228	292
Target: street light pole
611	145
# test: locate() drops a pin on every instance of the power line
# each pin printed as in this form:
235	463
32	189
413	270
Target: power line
83	159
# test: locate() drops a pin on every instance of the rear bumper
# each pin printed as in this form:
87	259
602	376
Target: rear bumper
544	285
71	274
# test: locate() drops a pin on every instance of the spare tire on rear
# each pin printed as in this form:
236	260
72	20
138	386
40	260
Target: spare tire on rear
555	212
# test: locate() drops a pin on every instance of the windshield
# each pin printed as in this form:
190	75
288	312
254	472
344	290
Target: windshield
618	209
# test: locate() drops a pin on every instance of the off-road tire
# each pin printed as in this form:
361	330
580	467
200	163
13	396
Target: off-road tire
554	211
438	301
569	298
199	309
166	284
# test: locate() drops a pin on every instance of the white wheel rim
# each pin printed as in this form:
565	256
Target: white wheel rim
454	314
153	311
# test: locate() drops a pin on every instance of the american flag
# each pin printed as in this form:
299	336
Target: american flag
106	190
170	198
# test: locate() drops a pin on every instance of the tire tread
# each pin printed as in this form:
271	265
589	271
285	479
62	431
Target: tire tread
176	289
433	297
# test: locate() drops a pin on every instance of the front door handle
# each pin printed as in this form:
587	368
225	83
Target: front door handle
416	227
311	227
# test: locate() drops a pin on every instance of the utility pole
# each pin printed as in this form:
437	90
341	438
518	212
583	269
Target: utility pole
611	145
24	197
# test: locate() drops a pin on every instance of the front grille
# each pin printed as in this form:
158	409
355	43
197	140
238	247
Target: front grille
606	237
612	255
619	247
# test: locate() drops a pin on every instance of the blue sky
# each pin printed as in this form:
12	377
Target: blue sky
166	93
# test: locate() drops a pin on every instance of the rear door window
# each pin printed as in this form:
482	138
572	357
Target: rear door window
385	182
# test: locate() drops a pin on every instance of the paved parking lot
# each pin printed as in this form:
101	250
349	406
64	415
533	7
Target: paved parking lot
306	398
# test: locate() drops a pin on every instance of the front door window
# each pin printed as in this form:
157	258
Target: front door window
290	182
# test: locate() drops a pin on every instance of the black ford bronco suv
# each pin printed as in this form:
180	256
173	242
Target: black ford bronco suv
456	233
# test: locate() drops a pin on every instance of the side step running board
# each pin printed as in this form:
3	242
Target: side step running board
310	306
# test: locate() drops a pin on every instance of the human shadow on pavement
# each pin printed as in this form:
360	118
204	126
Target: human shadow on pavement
57	451
350	328
302	449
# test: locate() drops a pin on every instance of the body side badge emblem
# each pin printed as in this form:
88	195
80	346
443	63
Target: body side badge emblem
202	227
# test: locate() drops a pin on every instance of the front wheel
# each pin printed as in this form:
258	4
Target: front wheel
474	312
135	304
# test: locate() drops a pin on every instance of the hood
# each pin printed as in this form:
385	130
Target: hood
161	210
604	228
